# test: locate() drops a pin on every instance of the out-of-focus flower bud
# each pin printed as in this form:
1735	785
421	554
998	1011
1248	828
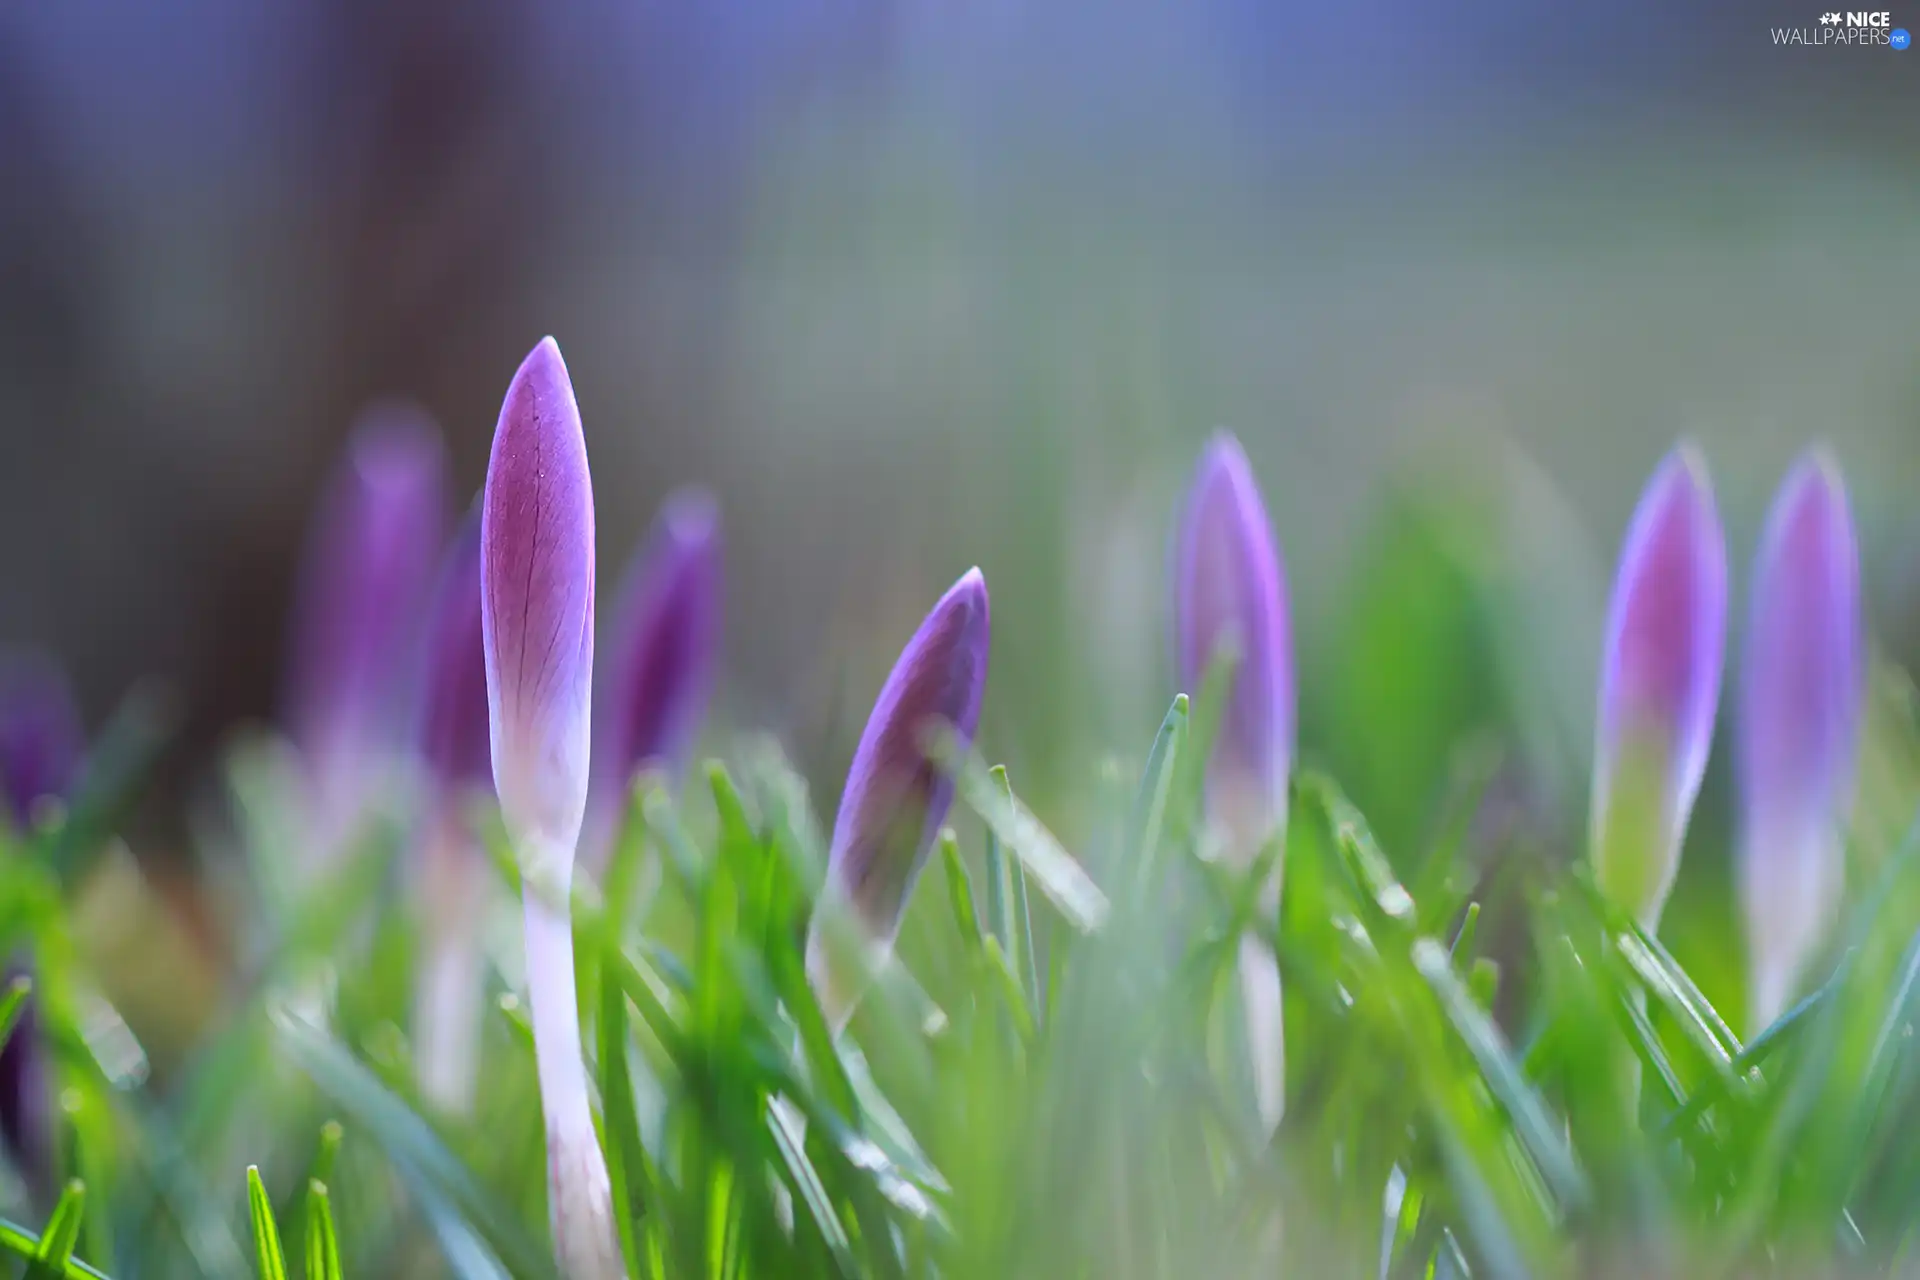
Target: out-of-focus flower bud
666	646
896	797
454	734
536	569
41	740
451	872
1230	597
1659	685
369	563
1801	688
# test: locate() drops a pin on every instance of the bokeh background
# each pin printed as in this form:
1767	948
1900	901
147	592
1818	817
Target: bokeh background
917	284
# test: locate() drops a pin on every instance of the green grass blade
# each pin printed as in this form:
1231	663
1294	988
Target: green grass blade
13	1003
266	1236
1062	879
323	1246
61	1235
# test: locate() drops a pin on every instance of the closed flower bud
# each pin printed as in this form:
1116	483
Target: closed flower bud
536	569
40	739
1230	599
1659	685
451	872
896	797
369	563
1802	683
665	647
454	735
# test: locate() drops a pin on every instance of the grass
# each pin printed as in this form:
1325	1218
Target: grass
1491	1074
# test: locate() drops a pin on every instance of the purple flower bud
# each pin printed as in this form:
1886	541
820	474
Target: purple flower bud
369	562
536	571
455	737
40	738
450	870
664	656
1230	591
1802	684
1659	685
536	565
896	797
1230	595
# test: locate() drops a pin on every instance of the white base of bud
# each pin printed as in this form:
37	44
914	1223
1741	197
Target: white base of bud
1266	1030
579	1196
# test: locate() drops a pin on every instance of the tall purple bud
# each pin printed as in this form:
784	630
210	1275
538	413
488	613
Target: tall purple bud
41	740
369	562
536	569
896	797
455	737
1230	596
666	644
1659	685
451	873
1802	684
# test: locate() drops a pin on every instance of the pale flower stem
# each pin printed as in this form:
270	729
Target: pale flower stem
1260	991
579	1195
447	1017
556	1016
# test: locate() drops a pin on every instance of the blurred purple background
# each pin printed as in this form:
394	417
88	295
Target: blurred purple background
918	285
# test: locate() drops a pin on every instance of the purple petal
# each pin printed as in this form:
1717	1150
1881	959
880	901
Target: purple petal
1230	590
1801	691
895	797
454	732
40	738
369	563
1659	683
667	643
536	568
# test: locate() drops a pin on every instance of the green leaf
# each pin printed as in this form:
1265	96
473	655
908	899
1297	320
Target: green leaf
323	1247
1066	885
62	1234
626	1155
13	1003
416	1152
1018	935
266	1236
24	1244
1502	1075
960	893
1154	797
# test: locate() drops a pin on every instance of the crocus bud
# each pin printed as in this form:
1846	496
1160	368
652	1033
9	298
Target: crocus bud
536	570
663	661
455	738
369	563
1659	685
1801	688
40	739
1230	596
896	796
450	872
